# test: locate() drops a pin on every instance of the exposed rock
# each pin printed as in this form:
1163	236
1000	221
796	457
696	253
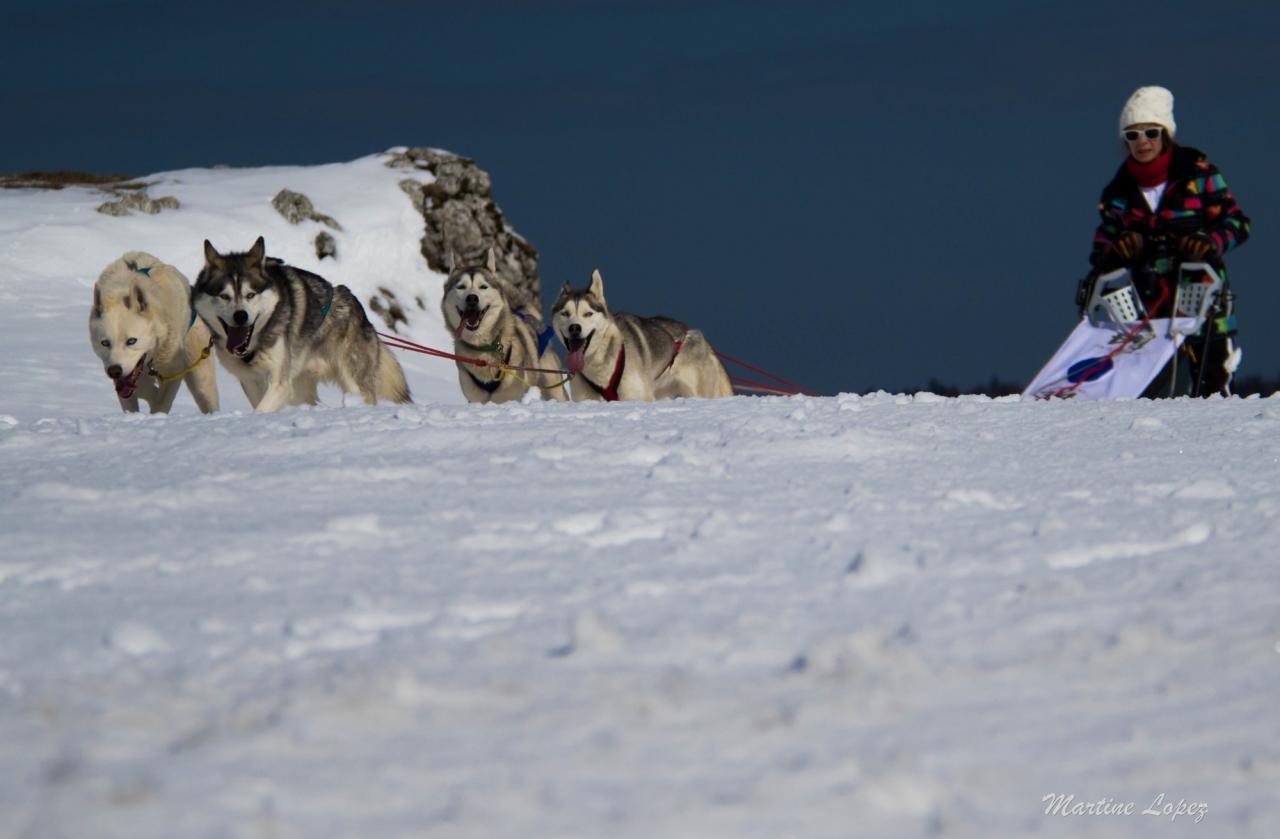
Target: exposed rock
66	177
461	218
325	245
140	201
384	305
296	207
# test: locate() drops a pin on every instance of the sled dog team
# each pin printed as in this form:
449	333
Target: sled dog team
282	331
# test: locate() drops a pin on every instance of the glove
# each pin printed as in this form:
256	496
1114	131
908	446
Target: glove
1195	247
1127	246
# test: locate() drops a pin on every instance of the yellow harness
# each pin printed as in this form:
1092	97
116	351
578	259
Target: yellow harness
164	380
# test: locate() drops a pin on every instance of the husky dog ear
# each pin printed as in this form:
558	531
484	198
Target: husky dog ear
493	262
142	299
597	285
455	261
211	255
97	302
566	289
258	252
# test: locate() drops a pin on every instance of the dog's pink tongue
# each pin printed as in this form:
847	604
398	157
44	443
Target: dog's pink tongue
575	360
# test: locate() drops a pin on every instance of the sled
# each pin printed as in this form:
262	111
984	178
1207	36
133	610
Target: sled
1117	350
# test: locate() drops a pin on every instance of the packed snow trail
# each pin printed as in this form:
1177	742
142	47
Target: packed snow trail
749	617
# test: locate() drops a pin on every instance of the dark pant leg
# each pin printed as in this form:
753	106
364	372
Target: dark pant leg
1213	358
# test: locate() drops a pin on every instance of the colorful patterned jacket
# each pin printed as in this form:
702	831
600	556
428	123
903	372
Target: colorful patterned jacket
1196	199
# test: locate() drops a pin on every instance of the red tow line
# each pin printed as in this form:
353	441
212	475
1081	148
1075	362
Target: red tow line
404	344
739	382
396	342
749	384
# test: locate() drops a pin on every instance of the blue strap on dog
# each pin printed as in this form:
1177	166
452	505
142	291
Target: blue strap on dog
324	312
133	266
192	322
544	337
493	384
489	386
544	340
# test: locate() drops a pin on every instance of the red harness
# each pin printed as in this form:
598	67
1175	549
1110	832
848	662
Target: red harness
678	343
610	393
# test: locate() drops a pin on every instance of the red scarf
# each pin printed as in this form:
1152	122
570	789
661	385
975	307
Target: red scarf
1150	174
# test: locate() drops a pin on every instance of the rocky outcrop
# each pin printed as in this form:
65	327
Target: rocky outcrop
460	217
325	245
296	207
385	305
67	177
140	201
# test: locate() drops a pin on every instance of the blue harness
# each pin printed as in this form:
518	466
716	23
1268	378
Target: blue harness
493	384
544	337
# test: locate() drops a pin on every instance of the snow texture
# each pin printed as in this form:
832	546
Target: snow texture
881	615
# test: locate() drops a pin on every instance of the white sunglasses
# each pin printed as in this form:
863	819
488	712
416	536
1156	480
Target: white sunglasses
1150	133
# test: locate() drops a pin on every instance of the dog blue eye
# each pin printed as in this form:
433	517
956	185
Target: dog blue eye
225	296
106	343
131	342
250	296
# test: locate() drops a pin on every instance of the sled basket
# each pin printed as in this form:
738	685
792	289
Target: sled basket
1199	288
1114	300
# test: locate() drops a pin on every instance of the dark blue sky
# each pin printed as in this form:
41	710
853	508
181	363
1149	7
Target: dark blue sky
852	197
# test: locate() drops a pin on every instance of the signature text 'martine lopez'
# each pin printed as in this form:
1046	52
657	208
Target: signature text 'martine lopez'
1057	804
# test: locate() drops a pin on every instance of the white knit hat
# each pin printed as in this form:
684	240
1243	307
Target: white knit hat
1149	104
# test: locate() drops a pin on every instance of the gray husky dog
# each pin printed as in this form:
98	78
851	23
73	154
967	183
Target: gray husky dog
281	331
493	320
623	356
142	327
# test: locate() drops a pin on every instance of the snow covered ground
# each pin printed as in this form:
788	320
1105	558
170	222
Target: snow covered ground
879	615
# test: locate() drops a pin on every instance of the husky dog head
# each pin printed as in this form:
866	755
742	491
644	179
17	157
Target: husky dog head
235	296
578	316
122	325
474	297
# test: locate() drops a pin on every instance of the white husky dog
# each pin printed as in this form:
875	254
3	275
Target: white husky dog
142	327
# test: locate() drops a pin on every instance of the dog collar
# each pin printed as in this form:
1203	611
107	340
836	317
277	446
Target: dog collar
610	393
496	346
